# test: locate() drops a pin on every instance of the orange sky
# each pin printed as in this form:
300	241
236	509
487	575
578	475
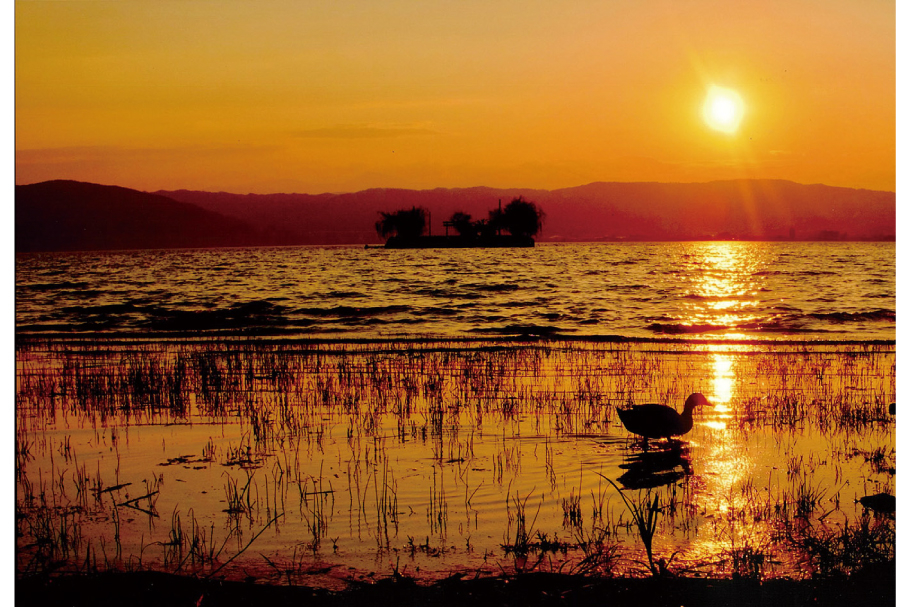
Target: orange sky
289	96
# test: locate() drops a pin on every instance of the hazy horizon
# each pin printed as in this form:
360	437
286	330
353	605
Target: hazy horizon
473	187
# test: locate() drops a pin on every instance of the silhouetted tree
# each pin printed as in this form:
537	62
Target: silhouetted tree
520	218
493	224
463	224
405	223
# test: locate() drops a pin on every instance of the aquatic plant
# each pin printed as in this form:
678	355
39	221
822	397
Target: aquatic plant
844	548
518	539
277	423
645	513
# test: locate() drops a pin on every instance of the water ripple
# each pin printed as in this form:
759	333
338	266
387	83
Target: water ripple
760	290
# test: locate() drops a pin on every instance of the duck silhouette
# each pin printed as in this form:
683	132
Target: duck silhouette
883	503
660	421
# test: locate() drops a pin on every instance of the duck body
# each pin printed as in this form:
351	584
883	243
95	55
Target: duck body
880	502
660	421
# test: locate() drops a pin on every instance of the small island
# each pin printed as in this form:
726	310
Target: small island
512	226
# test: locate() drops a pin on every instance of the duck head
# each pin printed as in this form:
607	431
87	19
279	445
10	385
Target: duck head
696	399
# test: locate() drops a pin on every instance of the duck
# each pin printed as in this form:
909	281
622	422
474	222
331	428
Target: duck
883	503
660	421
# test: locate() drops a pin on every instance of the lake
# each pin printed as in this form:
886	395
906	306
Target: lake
831	291
317	415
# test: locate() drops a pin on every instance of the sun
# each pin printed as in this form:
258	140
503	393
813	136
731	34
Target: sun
723	109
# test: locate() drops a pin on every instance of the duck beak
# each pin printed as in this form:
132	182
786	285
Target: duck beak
701	400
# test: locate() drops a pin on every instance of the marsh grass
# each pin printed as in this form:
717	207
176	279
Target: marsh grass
598	540
519	535
645	514
844	548
276	409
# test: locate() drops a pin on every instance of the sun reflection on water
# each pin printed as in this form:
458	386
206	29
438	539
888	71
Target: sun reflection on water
722	383
724	295
725	467
725	287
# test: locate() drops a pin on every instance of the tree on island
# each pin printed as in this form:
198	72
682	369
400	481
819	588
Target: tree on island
520	218
406	223
463	225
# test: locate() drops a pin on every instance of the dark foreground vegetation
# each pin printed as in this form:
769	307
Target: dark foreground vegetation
870	586
88	536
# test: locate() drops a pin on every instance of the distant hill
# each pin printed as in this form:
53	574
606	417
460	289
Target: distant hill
76	216
71	215
741	209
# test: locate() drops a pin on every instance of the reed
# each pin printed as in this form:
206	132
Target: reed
571	511
239	498
598	543
438	508
519	541
284	408
837	549
645	514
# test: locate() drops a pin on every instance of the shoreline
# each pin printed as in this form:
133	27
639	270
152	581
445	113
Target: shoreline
874	585
267	339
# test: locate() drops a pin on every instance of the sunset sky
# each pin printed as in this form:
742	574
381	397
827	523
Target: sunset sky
291	96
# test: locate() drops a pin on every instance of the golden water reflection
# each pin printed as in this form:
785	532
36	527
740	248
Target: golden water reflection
381	449
726	466
725	283
724	294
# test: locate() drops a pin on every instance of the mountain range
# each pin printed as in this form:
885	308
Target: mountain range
69	215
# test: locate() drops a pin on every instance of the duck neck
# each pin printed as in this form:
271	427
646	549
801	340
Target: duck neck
686	417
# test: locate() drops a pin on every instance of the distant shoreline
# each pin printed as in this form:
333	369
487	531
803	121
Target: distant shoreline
64	215
458	343
379	245
459	242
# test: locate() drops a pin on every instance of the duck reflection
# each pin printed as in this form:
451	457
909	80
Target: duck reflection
655	467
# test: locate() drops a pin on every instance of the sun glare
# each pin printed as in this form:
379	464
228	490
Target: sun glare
723	109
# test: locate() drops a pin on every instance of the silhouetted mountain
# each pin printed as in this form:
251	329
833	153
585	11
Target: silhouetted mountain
76	216
71	215
741	209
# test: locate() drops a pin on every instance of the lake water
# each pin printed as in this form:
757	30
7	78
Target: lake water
830	291
205	448
350	461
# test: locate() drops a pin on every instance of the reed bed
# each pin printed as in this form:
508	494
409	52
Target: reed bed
276	459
